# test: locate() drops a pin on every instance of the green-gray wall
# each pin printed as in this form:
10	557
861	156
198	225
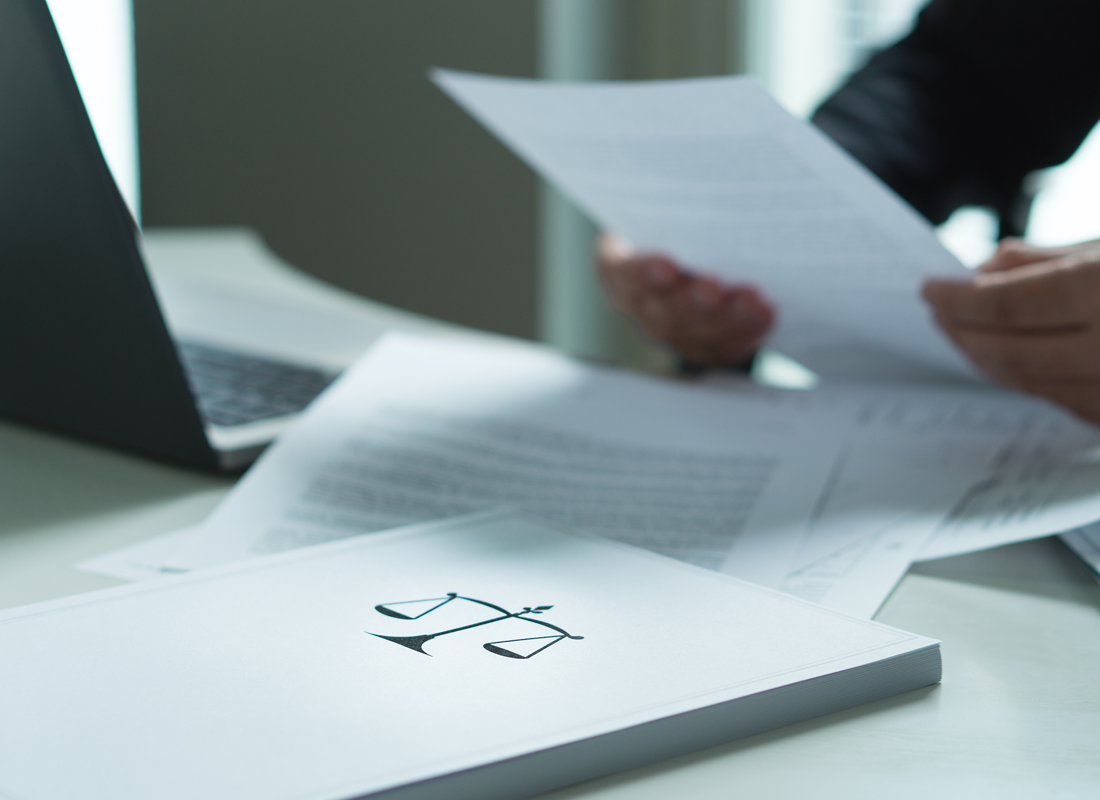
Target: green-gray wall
312	121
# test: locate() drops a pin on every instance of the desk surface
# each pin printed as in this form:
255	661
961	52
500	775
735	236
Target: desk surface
1017	714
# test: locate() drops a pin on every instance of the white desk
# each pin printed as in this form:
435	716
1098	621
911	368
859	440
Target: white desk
1017	714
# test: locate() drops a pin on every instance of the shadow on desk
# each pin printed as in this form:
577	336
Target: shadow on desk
1043	567
47	479
64	501
820	726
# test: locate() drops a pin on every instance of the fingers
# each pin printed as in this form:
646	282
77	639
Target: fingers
1063	367
629	278
1062	293
1023	360
1012	253
1048	295
713	325
1031	320
708	322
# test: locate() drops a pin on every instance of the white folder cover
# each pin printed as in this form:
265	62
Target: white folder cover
483	657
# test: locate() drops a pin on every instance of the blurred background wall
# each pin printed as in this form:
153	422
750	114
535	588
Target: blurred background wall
314	123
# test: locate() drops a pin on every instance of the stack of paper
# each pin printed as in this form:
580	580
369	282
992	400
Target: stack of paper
828	495
482	658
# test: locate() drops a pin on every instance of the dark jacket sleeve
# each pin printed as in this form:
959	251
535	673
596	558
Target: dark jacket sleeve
981	93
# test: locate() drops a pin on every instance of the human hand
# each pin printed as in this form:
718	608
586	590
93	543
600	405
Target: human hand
708	322
1030	319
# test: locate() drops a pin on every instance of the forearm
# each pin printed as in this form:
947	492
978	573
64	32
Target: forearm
981	93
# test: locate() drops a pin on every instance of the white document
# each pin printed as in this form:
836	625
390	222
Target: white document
1047	482
436	652
138	562
907	462
264	326
828	495
926	468
421	429
715	173
859	578
212	288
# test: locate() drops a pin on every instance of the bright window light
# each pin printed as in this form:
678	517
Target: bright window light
970	234
803	49
1067	209
98	36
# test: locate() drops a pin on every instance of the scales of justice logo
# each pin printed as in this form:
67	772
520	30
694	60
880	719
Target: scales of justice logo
522	648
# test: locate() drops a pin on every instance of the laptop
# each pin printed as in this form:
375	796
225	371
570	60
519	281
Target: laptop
84	347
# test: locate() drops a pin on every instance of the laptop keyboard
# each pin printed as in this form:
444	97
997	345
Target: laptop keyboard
234	388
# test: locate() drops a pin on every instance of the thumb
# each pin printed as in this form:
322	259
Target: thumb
1012	253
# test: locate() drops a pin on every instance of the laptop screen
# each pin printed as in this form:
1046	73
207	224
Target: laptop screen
83	346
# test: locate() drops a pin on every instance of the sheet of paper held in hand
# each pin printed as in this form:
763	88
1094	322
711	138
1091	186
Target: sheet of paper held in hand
715	173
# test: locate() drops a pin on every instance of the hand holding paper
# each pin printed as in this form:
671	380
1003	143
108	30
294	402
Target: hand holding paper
709	324
713	173
1029	320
